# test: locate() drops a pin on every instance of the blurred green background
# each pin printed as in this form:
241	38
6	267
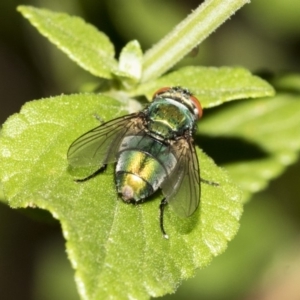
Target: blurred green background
263	261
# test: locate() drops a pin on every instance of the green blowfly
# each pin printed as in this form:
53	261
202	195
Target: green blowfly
153	149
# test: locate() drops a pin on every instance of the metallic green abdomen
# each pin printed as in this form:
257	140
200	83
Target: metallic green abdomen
143	164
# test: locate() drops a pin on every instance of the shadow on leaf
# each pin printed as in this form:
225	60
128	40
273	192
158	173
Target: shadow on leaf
225	150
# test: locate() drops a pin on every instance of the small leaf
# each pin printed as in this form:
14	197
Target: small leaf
82	42
212	86
130	62
117	249
270	124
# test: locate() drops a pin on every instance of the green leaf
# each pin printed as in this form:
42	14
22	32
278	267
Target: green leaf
130	62
117	249
287	82
82	42
212	86
2	197
271	126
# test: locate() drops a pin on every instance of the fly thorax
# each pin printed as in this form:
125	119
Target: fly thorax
168	118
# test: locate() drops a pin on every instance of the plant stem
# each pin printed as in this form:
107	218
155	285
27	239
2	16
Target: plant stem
187	35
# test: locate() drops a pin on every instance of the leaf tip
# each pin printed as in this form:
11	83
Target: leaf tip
23	8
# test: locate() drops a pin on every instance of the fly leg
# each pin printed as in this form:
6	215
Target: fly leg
164	202
162	206
92	175
209	182
97	117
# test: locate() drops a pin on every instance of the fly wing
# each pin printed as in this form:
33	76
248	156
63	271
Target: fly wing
182	187
99	146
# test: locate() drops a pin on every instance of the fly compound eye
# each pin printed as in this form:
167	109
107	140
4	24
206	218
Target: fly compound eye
161	91
198	108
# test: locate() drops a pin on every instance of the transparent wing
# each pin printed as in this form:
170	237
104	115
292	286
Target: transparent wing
182	187
98	146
